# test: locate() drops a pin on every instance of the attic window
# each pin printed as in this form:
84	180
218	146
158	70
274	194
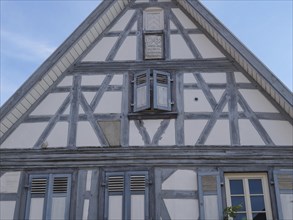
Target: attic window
152	92
153	37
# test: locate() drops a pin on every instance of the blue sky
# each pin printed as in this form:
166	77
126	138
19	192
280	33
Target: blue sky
32	30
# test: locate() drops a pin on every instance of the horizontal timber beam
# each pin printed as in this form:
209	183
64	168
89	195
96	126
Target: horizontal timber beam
199	65
196	156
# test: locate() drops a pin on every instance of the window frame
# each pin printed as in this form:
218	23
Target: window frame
154	111
245	177
127	192
49	194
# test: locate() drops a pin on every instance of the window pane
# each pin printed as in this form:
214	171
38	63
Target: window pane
259	216
257	203
240	216
236	187
58	208
238	200
255	186
137	207
36	208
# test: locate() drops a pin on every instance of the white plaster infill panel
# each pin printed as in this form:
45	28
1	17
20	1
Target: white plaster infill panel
281	132
214	77
248	134
101	50
24	136
189	78
240	78
217	93
191	105
184	20
117	79
179	48
135	138
122	22
220	134
9	182
50	104
89	96
257	101
86	136
172	26
110	103
58	135
205	46
192	130
7	209
181	180
127	51
92	80
186	209
67	81
151	126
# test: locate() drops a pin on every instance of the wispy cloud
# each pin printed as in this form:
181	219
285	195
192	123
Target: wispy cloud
23	47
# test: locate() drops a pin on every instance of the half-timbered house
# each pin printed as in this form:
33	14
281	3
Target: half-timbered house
151	109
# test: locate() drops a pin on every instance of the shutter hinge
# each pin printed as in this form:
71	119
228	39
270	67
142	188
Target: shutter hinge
103	184
132	104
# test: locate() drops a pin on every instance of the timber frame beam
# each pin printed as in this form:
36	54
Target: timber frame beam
197	156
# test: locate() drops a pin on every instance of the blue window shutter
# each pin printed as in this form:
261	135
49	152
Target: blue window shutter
162	90
141	91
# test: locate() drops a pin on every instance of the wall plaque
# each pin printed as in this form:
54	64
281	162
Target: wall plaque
153	46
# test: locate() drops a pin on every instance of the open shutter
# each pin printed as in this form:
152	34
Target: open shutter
162	90
284	193
141	91
210	199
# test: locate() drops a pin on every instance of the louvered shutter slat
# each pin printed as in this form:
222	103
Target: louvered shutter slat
137	183
162	91
115	184
60	185
141	91
38	186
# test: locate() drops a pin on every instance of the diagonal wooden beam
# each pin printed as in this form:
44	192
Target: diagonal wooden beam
91	118
254	120
101	91
206	90
185	36
52	123
161	130
122	37
143	132
214	117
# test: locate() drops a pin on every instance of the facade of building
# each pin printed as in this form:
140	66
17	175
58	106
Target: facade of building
151	109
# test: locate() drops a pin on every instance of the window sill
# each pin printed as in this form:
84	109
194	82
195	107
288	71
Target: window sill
152	115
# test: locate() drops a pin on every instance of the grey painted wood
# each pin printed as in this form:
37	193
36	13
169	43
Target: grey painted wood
195	156
81	187
205	89
74	108
179	194
167	47
122	37
220	86
52	123
143	132
164	211
179	122
94	193
20	194
200	65
112	88
166	173
124	136
212	121
233	109
8	196
90	116
139	35
159	133
158	186
185	36
101	91
254	120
